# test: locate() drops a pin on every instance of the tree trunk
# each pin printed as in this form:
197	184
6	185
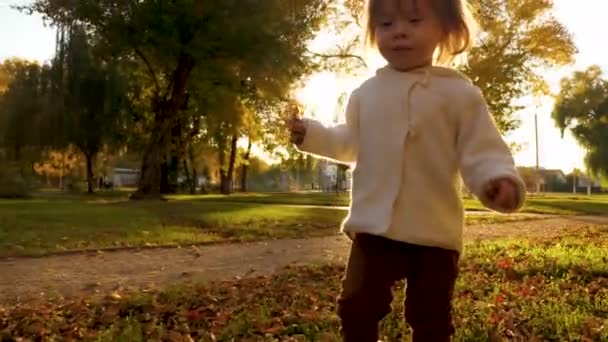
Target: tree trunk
165	118
61	172
225	183
164	178
90	175
340	177
176	153
149	181
227	177
194	180
207	175
187	173
245	168
221	157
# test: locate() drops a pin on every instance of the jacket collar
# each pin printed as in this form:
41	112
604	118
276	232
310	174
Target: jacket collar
424	73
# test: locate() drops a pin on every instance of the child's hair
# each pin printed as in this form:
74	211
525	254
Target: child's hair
456	21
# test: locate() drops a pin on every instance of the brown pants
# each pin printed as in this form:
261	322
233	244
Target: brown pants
375	265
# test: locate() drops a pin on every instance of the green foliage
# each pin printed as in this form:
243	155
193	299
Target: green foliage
79	100
22	104
94	102
518	38
582	108
12	183
208	52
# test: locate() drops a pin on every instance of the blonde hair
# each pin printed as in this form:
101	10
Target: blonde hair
457	22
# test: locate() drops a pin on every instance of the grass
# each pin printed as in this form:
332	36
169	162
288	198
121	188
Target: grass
59	224
555	204
521	290
41	226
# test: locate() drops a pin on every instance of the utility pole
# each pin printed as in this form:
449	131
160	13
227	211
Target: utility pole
588	178
537	159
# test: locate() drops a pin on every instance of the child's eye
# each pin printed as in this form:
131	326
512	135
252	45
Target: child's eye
415	20
386	23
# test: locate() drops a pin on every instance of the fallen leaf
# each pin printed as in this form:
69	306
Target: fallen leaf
272	330
115	296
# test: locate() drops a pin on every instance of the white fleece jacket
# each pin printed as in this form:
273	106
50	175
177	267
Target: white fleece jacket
409	136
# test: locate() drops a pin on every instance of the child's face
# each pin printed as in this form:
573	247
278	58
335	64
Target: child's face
407	33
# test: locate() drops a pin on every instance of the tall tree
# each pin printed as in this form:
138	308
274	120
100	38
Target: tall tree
92	106
518	38
21	105
170	39
582	108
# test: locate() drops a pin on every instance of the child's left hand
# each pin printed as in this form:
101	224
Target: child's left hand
502	192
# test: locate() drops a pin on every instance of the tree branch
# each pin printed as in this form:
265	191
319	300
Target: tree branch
341	56
150	69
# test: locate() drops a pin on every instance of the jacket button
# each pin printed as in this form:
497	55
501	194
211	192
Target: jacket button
412	133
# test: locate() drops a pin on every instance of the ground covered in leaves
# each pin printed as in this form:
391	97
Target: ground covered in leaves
543	289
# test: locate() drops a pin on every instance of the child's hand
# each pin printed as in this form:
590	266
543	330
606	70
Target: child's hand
502	193
297	127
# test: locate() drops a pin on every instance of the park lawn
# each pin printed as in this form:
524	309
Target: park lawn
551	204
564	204
39	226
49	225
549	289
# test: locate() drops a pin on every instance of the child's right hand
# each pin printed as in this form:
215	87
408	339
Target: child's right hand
297	127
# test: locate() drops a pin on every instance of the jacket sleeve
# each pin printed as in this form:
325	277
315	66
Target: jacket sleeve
338	143
483	154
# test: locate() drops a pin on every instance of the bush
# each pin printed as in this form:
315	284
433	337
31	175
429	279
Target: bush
13	184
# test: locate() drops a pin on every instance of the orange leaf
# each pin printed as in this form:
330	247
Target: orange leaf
272	330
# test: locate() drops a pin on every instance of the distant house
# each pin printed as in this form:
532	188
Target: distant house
125	177
328	174
200	181
552	180
583	182
557	176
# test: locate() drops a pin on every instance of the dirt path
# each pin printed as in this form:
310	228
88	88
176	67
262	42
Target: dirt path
24	279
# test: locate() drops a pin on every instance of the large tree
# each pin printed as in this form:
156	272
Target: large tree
171	39
582	108
22	94
91	101
518	38
21	104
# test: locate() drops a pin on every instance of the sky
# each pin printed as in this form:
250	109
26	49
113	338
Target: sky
27	37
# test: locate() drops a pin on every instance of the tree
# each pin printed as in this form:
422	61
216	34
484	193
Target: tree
517	38
21	104
582	108
58	164
530	176
92	102
171	39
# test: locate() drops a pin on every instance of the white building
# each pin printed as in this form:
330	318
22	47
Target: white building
125	177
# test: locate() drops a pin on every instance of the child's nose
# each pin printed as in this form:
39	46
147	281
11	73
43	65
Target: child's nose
402	29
